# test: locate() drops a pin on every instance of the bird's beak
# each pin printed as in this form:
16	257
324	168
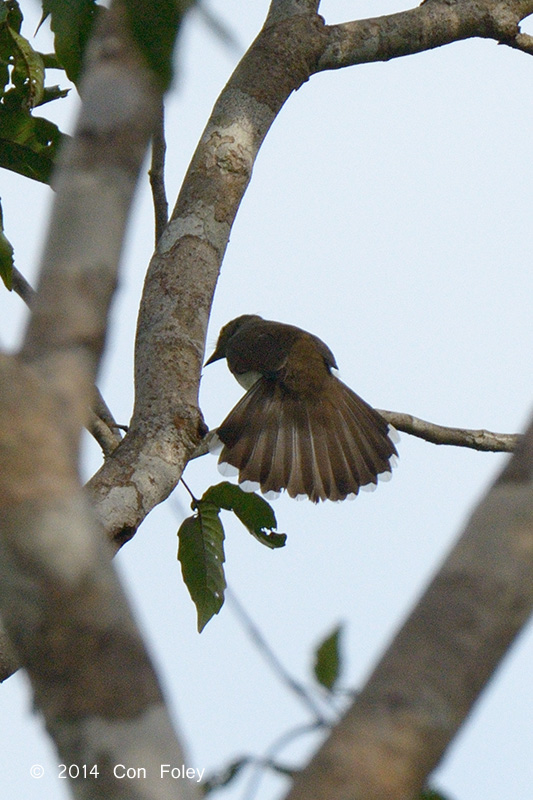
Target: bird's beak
215	357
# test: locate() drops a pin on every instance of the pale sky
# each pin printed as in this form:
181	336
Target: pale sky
390	214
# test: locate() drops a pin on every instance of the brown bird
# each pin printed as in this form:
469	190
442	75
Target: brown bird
298	427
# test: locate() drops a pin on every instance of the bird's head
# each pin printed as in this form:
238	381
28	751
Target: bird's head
229	330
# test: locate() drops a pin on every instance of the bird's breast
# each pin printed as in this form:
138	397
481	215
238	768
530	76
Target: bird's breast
247	379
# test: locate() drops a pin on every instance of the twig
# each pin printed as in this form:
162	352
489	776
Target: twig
221	778
107	437
22	287
270	656
101	409
157	175
268	761
217	25
460	437
193	498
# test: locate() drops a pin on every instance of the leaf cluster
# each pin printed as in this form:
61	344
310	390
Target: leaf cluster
29	144
201	542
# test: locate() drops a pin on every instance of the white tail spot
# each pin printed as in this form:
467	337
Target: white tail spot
394	436
384	477
227	470
272	495
249	486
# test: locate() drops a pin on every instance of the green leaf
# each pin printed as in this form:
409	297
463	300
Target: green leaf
28	145
10	21
429	794
72	23
201	554
328	662
28	73
253	511
155	26
20	65
13	15
201	537
6	256
51	61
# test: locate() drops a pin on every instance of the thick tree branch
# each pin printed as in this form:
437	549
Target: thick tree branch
433	24
62	604
64	609
401	723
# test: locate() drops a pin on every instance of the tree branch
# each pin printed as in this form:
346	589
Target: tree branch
157	174
64	609
459	437
285	9
106	435
433	24
268	654
62	604
426	683
223	31
21	287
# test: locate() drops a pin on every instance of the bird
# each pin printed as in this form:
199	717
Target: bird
298	428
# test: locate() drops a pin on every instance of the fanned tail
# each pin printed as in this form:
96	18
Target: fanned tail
325	448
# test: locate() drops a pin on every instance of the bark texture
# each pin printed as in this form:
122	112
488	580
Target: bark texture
63	607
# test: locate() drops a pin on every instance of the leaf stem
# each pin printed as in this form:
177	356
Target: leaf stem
193	498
